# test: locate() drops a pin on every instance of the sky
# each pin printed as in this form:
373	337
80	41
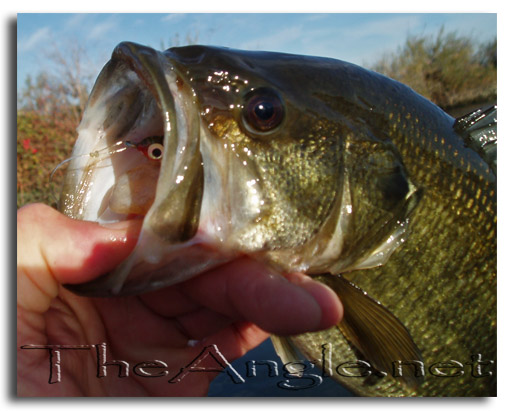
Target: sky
361	38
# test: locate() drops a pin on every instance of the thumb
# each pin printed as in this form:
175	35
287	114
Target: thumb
54	249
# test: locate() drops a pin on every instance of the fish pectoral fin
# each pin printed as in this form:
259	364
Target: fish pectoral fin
289	355
379	336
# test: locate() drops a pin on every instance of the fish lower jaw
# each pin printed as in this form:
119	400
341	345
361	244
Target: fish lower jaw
138	275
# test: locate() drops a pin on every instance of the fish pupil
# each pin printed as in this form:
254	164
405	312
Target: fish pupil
264	110
155	151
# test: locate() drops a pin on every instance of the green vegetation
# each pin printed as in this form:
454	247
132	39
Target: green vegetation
43	142
448	69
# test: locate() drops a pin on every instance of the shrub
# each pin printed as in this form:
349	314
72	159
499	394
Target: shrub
42	143
448	69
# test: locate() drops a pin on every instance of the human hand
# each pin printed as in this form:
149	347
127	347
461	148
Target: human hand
234	307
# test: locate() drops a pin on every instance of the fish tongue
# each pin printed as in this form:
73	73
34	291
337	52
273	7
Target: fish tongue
134	191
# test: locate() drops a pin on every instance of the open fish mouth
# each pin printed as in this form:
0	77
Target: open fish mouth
138	157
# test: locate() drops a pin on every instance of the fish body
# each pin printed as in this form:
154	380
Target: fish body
312	165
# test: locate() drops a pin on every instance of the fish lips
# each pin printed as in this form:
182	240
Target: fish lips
170	249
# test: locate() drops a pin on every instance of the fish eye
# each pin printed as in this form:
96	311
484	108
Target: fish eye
155	151
263	110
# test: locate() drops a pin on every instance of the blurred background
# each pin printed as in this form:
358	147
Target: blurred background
448	58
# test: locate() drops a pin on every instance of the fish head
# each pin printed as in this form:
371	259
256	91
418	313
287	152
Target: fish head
222	153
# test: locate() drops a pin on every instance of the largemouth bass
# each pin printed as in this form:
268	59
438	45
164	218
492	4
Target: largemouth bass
313	165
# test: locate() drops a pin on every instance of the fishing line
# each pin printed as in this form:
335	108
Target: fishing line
104	152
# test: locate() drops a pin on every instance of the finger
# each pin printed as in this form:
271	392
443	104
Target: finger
169	302
202	323
132	326
199	364
236	340
247	290
55	249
